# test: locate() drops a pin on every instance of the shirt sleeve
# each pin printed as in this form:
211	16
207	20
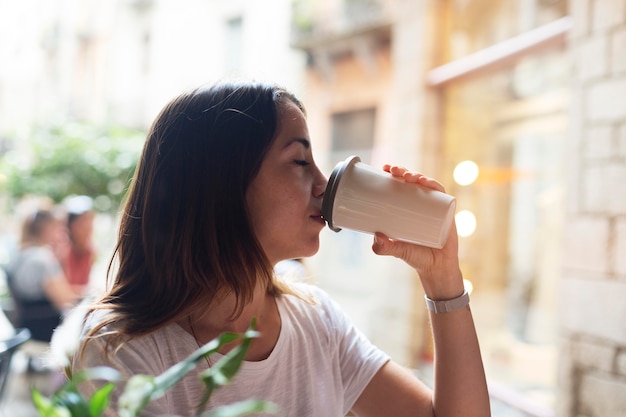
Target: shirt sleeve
35	267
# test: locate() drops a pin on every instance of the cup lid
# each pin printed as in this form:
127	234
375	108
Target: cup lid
331	190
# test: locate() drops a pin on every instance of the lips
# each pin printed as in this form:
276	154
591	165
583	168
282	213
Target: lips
318	218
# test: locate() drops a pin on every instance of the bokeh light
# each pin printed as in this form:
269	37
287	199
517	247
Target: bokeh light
469	285
465	223
465	173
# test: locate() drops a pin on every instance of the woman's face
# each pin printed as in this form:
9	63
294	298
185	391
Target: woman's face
285	198
81	228
52	232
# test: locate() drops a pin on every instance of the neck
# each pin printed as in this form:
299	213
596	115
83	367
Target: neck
80	247
220	316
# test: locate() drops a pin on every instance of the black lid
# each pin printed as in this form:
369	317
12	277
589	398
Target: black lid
331	190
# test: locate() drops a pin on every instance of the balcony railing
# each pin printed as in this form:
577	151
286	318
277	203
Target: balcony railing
347	18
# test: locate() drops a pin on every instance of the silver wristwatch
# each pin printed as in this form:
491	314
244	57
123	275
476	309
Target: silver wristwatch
446	306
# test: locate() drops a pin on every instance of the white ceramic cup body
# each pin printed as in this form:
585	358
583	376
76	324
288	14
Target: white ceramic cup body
365	199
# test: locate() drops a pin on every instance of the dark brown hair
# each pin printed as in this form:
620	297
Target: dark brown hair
185	236
34	225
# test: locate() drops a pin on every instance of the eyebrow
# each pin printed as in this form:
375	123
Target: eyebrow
302	141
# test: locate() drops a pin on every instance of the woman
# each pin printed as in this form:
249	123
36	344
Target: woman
78	255
226	187
36	281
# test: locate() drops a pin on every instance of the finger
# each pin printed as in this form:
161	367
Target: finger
419	178
431	183
397	171
380	242
383	245
414	177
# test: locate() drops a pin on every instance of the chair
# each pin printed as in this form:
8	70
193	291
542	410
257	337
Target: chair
7	349
40	316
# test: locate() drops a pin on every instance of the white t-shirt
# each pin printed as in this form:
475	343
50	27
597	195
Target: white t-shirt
319	367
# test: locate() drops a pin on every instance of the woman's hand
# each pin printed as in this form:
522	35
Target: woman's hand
438	268
460	388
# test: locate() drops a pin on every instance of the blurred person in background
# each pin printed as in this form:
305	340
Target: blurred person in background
35	277
77	255
225	189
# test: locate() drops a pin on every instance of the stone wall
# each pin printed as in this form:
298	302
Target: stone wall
592	379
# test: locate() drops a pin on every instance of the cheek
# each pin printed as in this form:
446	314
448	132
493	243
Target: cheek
291	203
275	206
277	220
261	209
278	213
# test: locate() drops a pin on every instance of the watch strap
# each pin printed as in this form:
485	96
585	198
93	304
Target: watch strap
446	306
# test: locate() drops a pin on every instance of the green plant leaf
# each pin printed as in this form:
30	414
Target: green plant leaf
100	400
68	402
171	376
74	402
243	408
136	395
141	389
46	407
226	368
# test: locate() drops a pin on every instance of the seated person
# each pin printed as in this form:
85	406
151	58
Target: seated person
36	280
78	255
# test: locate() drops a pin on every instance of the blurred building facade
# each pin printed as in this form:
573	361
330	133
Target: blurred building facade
531	92
122	60
593	274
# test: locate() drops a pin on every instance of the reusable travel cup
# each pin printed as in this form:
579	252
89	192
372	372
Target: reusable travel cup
365	199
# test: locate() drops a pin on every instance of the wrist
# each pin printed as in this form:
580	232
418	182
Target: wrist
440	306
443	284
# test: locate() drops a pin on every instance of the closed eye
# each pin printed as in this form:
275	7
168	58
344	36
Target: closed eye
301	162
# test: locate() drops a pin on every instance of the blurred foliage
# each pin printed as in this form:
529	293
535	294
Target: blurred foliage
302	16
74	159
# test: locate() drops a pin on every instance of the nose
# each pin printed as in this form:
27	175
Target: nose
319	187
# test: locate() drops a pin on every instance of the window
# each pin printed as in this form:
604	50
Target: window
512	122
233	59
353	134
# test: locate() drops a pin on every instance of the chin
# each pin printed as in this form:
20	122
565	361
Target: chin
315	246
307	251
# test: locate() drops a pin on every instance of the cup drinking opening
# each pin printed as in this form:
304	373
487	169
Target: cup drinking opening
331	190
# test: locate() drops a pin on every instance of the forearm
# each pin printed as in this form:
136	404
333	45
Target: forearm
60	293
460	388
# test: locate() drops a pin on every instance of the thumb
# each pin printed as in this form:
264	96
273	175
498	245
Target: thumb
414	255
383	245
